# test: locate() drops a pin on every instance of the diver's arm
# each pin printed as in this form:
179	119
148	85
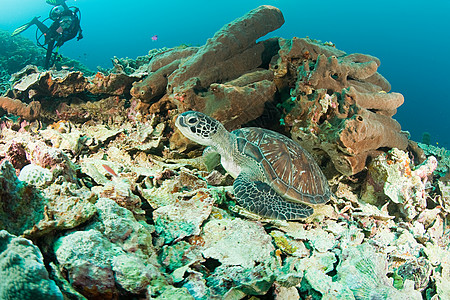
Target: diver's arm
80	31
80	34
63	4
66	8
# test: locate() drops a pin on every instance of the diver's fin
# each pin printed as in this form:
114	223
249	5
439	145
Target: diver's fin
24	27
55	2
21	29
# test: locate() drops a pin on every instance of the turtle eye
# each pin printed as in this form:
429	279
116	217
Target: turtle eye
192	120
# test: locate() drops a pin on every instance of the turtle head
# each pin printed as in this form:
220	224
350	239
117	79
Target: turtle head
198	127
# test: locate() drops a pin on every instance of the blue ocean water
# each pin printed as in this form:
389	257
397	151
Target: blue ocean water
411	38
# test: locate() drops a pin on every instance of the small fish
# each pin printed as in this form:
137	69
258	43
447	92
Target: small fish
66	68
109	170
154	38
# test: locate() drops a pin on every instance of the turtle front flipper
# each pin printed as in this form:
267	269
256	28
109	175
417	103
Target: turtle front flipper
211	158
258	197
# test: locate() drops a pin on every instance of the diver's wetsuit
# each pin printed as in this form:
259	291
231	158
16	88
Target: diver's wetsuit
62	29
65	26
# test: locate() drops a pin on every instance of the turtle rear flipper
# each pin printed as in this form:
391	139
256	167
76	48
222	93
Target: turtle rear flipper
258	197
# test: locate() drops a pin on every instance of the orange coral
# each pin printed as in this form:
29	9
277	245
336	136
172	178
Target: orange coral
99	76
196	240
49	81
306	54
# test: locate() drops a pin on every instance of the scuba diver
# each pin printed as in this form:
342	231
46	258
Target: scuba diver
65	26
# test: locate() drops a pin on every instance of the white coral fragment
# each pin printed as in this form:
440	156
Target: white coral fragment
35	175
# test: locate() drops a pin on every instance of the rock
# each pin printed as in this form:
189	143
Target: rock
364	272
121	228
225	242
288	245
417	270
116	251
244	253
16	155
392	174
318	238
65	136
132	274
87	258
53	159
183	218
23	272
22	206
67	207
112	84
66	83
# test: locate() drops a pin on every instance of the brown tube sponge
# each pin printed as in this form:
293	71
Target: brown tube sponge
384	103
369	131
16	107
154	84
231	40
357	137
333	73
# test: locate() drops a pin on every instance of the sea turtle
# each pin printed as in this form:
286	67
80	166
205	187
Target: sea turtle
274	176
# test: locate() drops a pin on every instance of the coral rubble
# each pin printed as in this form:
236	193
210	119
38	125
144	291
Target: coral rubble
101	198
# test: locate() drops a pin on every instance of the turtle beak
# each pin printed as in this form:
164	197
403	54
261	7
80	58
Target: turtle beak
184	128
179	122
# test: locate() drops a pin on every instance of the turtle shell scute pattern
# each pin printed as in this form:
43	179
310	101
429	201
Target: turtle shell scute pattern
289	169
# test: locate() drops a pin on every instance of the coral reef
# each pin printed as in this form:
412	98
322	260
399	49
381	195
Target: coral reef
38	201
4	82
338	103
443	158
121	206
18	52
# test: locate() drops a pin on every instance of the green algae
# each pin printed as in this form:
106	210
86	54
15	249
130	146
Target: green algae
282	243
